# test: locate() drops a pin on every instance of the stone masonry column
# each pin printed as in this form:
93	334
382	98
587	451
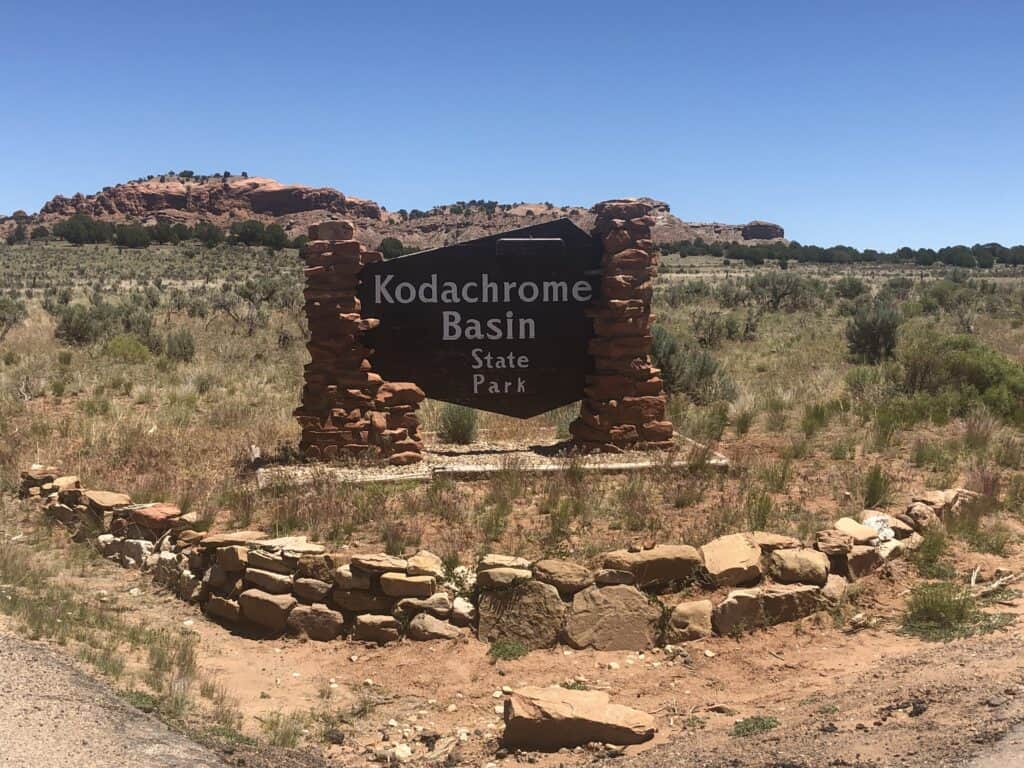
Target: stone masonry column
624	400
347	409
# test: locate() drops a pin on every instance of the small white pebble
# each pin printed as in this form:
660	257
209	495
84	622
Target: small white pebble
496	695
451	708
613	665
499	708
506	689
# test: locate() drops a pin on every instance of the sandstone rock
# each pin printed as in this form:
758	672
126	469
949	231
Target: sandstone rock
502	578
107	545
221	608
378	563
234	538
921	516
105	501
347	579
689	621
833	542
556	718
160	518
215	577
658	565
861	561
427	627
565	576
463	612
317	622
290	547
789	602
425	563
66	483
137	549
530	612
502	561
332	230
733	560
438	605
607	577
275	583
311	590
265	609
233	558
799	566
358	601
881	520
860	533
400	585
834	591
269	561
166	570
616	618
314	567
376	629
769	542
739	612
890	550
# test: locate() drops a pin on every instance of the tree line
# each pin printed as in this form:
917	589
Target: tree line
979	255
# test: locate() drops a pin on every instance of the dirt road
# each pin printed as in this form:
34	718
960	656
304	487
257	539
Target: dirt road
53	715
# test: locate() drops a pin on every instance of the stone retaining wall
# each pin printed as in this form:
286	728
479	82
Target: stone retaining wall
638	599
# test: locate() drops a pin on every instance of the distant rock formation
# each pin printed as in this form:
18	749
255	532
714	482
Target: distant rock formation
180	198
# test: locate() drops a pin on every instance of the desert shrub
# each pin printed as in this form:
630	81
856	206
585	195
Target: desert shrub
12	313
783	291
82	324
126	348
391	247
934	364
458	424
692	371
930	553
939	611
871	333
181	345
878	488
849	287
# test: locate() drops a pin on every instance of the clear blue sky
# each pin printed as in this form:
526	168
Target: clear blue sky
867	123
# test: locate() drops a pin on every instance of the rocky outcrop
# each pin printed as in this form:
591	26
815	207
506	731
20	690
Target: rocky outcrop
762	230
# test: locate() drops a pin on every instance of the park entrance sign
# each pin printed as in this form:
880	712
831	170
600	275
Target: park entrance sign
516	323
498	324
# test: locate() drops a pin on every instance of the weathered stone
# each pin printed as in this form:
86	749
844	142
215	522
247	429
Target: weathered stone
799	566
66	483
275	583
166	570
376	629
769	542
834	591
107	545
789	602
739	612
833	542
137	549
426	627
565	576
222	608
463	612
501	577
215	577
438	605
317	622
607	577
921	516
860	533
619	618
502	561
378	563
104	501
530	612
555	718
347	579
689	621
269	561
314	567
311	590
290	547
265	609
400	585
890	550
425	563
233	558
861	561
358	601
733	560
234	538
880	520
658	565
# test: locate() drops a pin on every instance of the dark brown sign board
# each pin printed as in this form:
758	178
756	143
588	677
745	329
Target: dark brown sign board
496	323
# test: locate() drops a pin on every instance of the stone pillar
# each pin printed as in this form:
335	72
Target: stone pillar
624	401
347	409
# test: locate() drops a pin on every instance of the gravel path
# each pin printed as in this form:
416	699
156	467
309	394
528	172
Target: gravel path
53	715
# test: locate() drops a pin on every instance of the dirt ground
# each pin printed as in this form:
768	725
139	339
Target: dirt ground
872	697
